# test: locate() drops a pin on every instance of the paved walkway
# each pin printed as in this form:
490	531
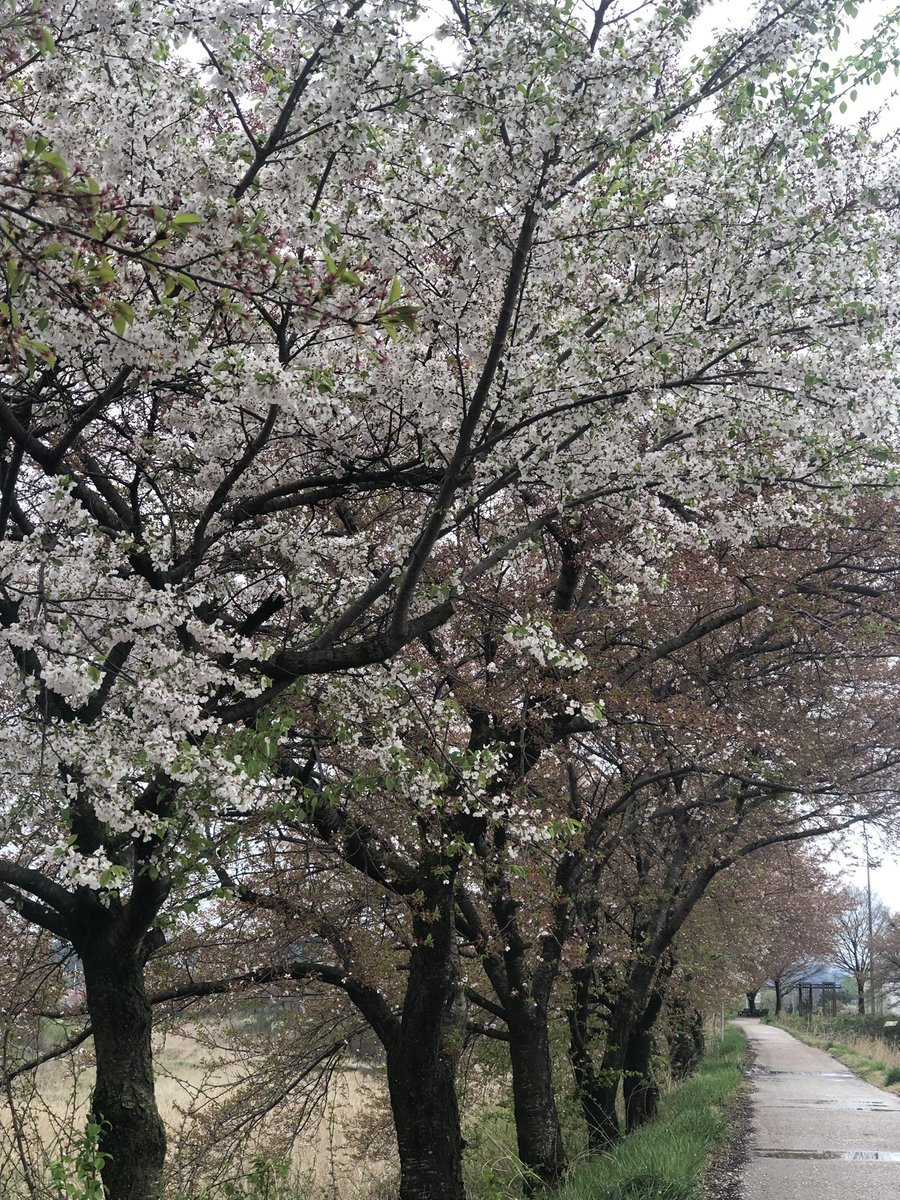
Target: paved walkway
819	1132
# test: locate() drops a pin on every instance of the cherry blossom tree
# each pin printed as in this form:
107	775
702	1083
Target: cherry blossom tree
730	754
310	325
788	907
523	797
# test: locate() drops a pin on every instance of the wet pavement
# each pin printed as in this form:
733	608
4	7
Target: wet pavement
819	1132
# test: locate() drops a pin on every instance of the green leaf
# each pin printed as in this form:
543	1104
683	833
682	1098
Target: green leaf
104	271
56	161
122	315
36	350
185	219
45	40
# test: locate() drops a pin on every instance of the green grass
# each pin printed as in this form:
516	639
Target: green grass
844	1027
874	1058
667	1159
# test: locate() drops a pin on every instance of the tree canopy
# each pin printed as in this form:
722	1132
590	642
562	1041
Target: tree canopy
382	410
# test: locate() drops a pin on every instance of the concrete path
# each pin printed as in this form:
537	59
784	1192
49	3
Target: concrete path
819	1132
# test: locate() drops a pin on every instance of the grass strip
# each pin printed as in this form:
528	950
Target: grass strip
871	1058
667	1159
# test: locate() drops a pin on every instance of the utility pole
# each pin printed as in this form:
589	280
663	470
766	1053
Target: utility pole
873	1007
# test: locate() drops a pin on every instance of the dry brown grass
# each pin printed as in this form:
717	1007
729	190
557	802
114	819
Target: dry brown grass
336	1154
871	1058
877	1050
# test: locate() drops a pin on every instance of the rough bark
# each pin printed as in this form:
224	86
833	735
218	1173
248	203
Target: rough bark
639	1085
609	1079
640	1088
523	985
538	1133
597	1099
628	1014
423	1056
124	1099
598	1086
751	1004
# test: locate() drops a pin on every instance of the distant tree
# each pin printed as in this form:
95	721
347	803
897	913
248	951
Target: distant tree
780	911
856	945
887	951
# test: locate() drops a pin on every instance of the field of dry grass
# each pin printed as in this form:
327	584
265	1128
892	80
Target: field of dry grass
336	1156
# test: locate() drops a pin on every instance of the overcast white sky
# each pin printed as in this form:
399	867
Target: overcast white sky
885	876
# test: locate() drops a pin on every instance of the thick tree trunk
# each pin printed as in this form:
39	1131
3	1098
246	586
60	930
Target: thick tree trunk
861	995
608	1082
423	1056
598	1102
640	1088
124	1100
626	1058
538	1133
598	1108
641	1091
777	983
598	1087
751	1004
426	1119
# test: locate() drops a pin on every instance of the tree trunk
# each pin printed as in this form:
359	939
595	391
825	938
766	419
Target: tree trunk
598	1107
861	995
640	1089
598	1102
751	1004
629	1018
598	1087
538	1133
426	1119
686	1038
422	1058
124	1100
777	983
609	1077
698	1036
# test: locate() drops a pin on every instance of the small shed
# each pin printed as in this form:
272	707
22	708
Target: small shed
816	990
820	996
